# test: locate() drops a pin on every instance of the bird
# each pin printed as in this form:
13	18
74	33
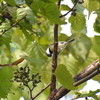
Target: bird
61	46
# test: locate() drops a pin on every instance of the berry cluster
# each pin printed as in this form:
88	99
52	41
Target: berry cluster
23	76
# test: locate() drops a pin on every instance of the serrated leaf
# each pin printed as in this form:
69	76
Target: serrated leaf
64	7
91	5
64	77
6	37
21	12
5	75
36	52
80	47
11	2
28	36
72	64
48	10
77	22
27	28
96	45
37	5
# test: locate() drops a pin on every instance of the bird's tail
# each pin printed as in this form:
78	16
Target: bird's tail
70	40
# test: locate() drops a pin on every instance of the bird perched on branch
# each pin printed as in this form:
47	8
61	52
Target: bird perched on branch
61	46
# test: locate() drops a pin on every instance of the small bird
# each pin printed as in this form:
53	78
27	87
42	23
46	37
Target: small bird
61	46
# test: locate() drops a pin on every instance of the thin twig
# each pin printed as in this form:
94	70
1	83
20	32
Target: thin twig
41	91
36	75
30	90
12	26
70	9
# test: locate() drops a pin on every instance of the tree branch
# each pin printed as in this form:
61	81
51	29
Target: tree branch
54	59
63	91
12	26
87	77
72	9
54	64
87	71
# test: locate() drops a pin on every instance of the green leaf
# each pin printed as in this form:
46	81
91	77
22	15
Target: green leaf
37	5
27	35
27	29
21	12
48	36
98	13
6	37
36	52
5	75
11	2
80	47
33	60
64	77
64	7
63	37
77	22
72	64
96	45
97	25
79	8
91	5
48	10
89	94
26	26
28	2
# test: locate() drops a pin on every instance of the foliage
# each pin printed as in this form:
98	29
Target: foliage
89	94
62	75
26	30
